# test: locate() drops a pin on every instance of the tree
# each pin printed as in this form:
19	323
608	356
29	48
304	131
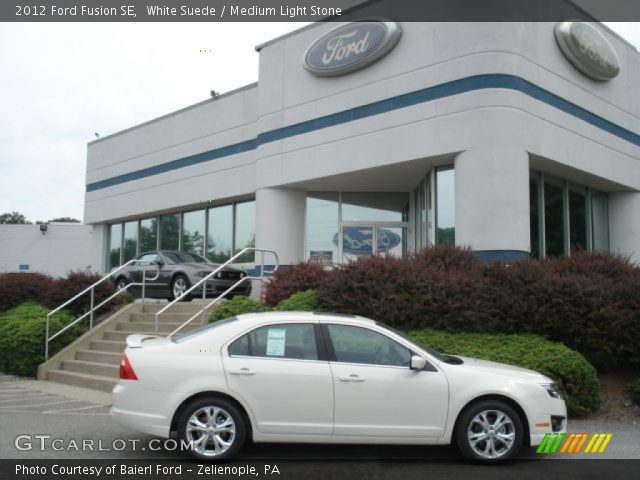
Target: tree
13	218
65	220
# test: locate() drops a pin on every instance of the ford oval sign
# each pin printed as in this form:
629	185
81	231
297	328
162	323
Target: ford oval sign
588	49
351	47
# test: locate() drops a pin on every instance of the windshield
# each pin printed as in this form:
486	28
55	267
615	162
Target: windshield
440	356
181	337
183	257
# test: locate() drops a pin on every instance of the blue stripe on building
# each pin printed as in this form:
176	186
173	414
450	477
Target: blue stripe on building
455	87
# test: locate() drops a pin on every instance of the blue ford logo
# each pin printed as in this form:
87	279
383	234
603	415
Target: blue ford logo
351	47
359	240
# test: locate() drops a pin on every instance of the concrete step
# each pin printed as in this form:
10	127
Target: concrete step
150	327
180	307
121	335
85	380
163	318
116	346
92	368
111	358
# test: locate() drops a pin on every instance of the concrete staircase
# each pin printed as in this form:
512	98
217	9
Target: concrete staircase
93	360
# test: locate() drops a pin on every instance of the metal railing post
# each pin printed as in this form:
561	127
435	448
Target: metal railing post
144	283
46	343
92	304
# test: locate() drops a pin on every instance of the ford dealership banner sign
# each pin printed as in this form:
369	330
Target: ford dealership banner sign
351	47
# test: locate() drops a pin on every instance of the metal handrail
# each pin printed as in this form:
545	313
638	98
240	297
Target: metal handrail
91	288
204	281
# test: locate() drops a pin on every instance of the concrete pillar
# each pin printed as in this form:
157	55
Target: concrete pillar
624	223
280	222
492	202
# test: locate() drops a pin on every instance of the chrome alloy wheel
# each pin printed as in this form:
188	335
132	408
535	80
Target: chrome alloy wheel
491	434
210	431
179	286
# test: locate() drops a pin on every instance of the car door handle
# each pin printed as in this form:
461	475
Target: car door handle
242	371
351	378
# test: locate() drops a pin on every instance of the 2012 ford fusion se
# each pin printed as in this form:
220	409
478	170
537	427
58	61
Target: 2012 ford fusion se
326	378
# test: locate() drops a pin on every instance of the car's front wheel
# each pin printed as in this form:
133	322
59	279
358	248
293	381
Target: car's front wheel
121	283
489	431
213	428
179	285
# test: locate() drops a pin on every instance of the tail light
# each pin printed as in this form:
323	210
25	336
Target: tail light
126	370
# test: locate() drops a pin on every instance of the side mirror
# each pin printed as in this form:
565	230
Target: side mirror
418	363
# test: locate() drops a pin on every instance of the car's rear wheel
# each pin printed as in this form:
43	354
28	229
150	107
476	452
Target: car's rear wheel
489	431
213	428
179	285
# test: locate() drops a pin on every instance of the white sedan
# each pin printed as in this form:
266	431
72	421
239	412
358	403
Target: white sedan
326	378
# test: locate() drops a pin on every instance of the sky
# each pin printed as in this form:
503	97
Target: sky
60	83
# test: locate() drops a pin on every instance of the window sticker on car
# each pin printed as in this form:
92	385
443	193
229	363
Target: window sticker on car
275	342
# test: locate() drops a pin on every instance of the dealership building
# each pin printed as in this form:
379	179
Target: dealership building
377	137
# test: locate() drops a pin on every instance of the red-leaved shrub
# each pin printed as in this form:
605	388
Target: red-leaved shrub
293	279
62	289
17	288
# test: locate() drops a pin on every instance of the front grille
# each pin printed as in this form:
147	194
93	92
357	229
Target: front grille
232	275
557	423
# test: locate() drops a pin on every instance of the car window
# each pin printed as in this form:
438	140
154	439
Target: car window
361	345
148	258
293	340
183	257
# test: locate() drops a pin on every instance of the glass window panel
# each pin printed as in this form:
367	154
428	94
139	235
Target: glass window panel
392	241
220	234
148	234
600	221
445	206
554	219
170	232
356	242
297	341
360	345
130	240
578	219
322	227
375	207
534	216
193	225
245	230
115	244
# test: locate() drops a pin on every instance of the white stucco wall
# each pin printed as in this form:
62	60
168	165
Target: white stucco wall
64	247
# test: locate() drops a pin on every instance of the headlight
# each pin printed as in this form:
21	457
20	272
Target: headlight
219	275
202	273
242	275
552	390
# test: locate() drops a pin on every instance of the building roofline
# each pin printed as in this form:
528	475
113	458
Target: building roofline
286	35
176	112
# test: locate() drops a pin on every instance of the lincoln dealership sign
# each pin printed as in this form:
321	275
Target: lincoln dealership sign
588	49
351	47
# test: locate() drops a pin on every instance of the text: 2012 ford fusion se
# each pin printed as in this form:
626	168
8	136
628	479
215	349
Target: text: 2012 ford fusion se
326	378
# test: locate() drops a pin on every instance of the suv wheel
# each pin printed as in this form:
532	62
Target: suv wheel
489	431
213	427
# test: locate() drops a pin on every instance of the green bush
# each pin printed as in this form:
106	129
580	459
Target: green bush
575	377
237	306
633	389
307	301
22	337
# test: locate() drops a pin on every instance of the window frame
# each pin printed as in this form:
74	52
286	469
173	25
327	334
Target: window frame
317	332
332	353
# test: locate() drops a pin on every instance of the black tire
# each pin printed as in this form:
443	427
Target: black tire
491	440
180	279
120	283
225	410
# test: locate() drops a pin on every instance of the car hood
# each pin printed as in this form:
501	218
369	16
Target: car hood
502	369
210	268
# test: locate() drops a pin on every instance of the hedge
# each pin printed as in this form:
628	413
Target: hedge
293	279
22	337
307	301
236	306
574	375
588	301
633	390
17	288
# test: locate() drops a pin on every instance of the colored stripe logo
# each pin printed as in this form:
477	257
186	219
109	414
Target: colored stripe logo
573	443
